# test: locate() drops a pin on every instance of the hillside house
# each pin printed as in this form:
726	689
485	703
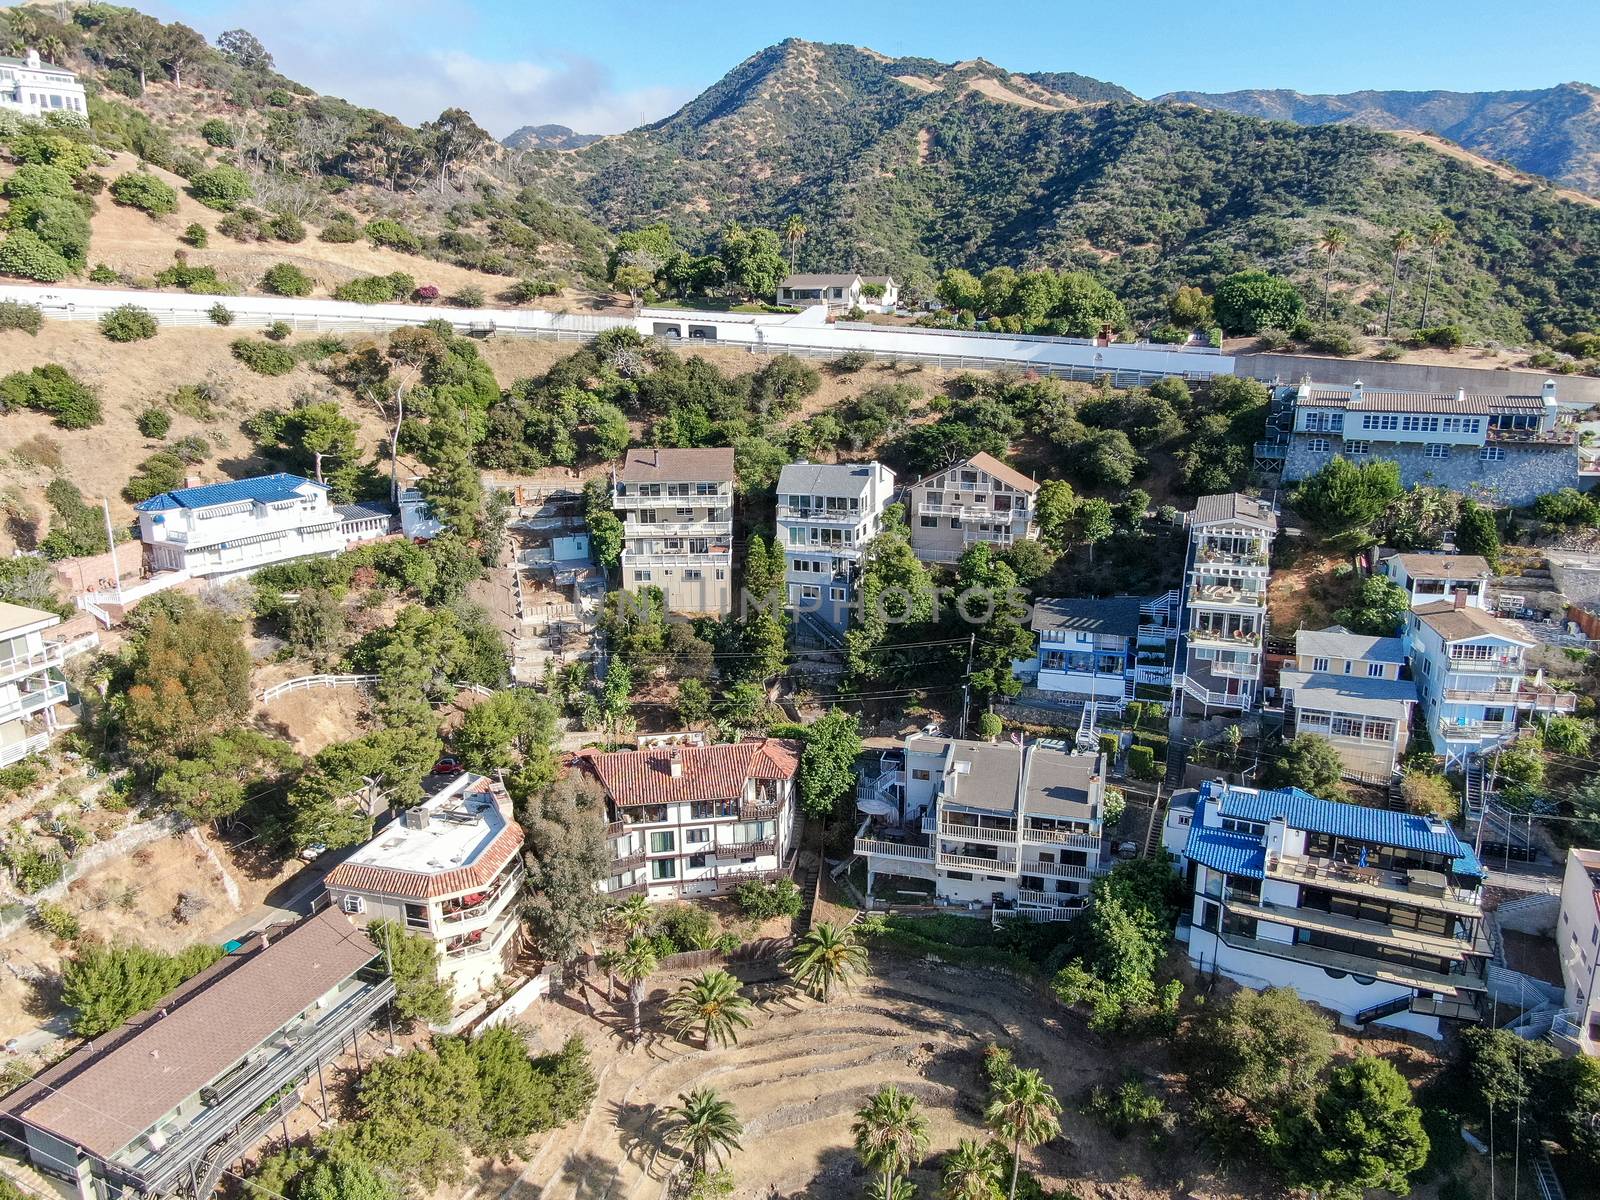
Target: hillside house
980	500
691	820
1099	650
32	651
1506	448
840	293
827	513
1577	935
33	87
1352	690
449	868
1431	578
165	1103
1219	654
1016	830
676	508
1373	914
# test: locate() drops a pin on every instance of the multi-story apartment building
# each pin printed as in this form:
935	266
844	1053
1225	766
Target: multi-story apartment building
1224	623
218	530
30	86
1506	448
1099	650
1011	829
693	820
450	869
31	684
1432	578
827	513
167	1102
1376	915
979	500
1472	678
1578	943
676	508
1351	689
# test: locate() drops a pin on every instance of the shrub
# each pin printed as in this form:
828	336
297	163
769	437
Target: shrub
287	227
343	228
1141	762
1330	338
145	192
387	232
238	227
197	235
51	389
192	449
38	179
1442	337
102	274
375	289
263	358
128	323
470	296
851	362
279	98
1390	353
989	726
26	255
161	472
426	294
686	926
201	281
219	133
760	900
154	422
15	315
1108	745
286	279
524	290
58	920
222	187
279	330
220	314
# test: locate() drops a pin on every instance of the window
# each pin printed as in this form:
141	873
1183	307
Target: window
920	774
1492	454
1319	664
692	575
697	837
1319	445
697	860
836	593
722	573
1375	670
928	522
641	576
810	591
1358	447
663	843
955	522
663	868
1380	421
1420	424
1436	450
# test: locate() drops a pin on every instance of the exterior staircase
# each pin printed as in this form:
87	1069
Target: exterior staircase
1544	1175
1397	798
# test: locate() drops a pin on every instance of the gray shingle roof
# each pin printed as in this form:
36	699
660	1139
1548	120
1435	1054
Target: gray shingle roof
647	464
1358	695
1113	616
1232	508
827	479
1338	642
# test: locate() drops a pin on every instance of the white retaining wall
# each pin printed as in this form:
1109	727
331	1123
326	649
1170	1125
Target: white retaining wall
1127	364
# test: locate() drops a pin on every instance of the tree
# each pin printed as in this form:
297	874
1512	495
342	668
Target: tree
508	729
1024	1111
635	965
344	1178
1427	793
453	137
794	232
1477	533
753	259
190	677
1364	1132
567	854
244	50
132	40
694	701
519	1095
1378	609
179	47
605	528
1435	237
704	1124
1331	242
826	956
971	1171
890	1134
1401	243
1095	523
1055	509
710	1002
990	607
315	625
214	781
827	764
104	984
1343	500
1250	301
960	290
418	1112
1311	764
412	961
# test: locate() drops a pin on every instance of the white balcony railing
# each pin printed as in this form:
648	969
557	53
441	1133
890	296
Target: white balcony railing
820	516
16	751
976	862
32	701
36	660
882	849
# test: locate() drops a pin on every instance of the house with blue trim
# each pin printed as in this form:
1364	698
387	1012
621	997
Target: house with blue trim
217	530
1373	914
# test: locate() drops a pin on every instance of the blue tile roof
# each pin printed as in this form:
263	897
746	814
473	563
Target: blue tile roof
1380	826
263	488
1226	851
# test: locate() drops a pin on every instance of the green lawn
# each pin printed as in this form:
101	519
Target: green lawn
717	304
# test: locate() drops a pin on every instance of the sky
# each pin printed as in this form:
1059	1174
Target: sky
605	67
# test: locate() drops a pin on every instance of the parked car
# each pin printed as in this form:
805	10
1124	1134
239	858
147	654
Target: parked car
448	765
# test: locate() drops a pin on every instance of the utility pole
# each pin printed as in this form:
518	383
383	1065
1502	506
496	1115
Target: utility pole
966	685
111	545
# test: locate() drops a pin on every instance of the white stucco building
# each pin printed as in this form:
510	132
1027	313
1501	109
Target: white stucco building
31	683
1100	650
1219	656
1432	578
1578	943
34	87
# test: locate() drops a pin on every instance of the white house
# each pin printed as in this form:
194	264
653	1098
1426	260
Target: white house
1347	687
827	512
693	820
840	293
1376	915
1099	650
33	87
1578	943
1471	678
1219	655
31	683
222	529
1430	578
450	869
1016	830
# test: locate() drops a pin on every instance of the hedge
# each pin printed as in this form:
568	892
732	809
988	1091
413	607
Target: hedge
263	358
144	192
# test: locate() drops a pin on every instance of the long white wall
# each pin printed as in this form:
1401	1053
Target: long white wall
801	334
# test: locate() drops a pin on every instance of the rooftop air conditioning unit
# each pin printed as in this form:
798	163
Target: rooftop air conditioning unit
354	904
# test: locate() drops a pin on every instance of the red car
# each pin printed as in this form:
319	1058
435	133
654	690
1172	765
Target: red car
448	765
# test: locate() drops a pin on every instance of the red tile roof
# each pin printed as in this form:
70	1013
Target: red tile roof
426	885
709	772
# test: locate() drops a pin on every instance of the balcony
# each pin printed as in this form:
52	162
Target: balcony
1048	899
1375	932
1423	889
1355	964
760	810
1560	436
971	833
1511	664
34	661
1223	595
973	512
1231	556
17	751
1054	870
715	556
1061	837
746	849
1464	730
1198	691
1215	636
478	905
1527	698
977	862
634	858
721	498
820	516
32	701
901	850
678	528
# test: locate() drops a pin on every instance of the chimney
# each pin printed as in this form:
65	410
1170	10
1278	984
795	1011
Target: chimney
1461	395
655	456
1355	390
33	58
1548	392
191	481
1460	598
675	765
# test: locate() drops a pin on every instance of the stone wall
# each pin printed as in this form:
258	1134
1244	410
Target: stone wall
1525	473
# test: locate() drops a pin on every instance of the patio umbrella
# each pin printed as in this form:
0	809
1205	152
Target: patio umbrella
1363	858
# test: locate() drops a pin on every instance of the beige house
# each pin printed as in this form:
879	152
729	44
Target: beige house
1348	688
1431	578
978	500
676	508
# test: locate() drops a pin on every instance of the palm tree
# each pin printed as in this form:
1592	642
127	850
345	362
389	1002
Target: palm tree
711	1003
1331	243
794	232
609	959
891	1189
633	916
828	956
704	1123
1435	237
890	1134
1025	1111
972	1171
1401	243
636	962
